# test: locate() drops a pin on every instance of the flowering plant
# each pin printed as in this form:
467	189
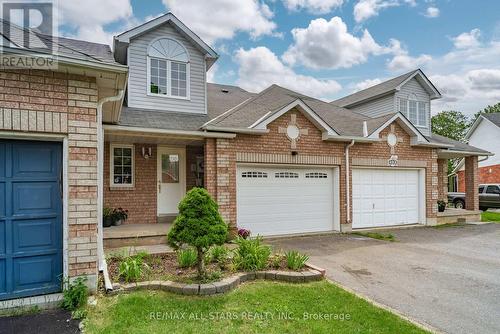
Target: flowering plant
244	233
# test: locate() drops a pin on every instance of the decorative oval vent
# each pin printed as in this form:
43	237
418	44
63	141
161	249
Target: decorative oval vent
286	175
254	174
316	175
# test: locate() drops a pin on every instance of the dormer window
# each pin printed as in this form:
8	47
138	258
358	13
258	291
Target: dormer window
168	69
414	110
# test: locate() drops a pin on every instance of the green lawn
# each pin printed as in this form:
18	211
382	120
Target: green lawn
376	235
490	216
257	307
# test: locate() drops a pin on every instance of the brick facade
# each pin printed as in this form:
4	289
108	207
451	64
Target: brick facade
141	199
443	179
33	101
471	184
222	155
487	174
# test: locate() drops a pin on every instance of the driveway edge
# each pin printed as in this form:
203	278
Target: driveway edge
420	324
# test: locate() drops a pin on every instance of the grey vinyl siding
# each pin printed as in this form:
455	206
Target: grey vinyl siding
378	107
414	87
137	88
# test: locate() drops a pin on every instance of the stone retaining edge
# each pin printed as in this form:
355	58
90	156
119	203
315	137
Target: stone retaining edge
225	285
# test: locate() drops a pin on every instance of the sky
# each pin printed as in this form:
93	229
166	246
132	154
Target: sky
325	48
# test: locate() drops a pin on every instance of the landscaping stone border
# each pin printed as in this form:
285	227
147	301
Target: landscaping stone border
225	285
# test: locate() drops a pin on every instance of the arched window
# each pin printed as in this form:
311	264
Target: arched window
168	69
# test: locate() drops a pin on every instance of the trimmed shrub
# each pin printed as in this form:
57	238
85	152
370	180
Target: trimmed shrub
198	224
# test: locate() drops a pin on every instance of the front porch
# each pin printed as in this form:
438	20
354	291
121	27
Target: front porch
457	216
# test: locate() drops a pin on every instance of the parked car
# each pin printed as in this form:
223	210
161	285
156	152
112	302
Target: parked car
489	197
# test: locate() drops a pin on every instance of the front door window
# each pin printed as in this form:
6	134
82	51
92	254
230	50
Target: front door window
170	168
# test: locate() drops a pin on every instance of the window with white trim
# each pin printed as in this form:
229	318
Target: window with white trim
121	165
168	69
414	110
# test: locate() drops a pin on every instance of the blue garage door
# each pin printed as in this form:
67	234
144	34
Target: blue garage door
30	218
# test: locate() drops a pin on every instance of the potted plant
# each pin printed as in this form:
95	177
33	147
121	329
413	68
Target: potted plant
119	216
441	205
107	217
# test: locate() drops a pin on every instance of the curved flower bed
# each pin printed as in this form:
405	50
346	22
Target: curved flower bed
227	284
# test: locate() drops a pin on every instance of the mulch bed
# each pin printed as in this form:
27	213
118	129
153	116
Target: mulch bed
165	267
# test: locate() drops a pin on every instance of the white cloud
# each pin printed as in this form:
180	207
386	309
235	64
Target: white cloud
90	26
432	12
222	19
366	84
364	9
328	44
313	6
467	39
405	62
259	68
484	79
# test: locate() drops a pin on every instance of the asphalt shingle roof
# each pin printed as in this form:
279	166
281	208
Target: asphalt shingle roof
379	89
67	47
457	145
493	117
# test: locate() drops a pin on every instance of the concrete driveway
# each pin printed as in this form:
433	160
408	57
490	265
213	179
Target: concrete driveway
446	277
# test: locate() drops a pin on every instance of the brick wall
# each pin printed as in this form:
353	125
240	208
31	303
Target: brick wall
221	156
141	199
443	179
34	101
471	184
488	174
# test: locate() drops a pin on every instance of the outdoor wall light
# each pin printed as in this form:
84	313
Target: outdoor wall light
146	152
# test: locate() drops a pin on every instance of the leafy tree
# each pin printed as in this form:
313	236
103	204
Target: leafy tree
487	110
452	124
198	224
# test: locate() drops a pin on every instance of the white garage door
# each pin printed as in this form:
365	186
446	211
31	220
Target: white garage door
385	197
280	200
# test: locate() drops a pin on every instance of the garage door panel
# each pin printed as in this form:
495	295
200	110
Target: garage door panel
391	197
289	200
30	218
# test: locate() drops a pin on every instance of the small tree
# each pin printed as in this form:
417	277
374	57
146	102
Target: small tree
198	224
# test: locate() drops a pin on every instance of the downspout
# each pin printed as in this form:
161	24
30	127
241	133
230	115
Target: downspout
100	175
347	182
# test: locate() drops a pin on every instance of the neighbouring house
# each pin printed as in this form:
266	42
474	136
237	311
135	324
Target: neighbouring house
484	133
138	127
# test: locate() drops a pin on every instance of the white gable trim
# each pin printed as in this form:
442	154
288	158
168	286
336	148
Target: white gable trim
128	35
476	124
417	137
262	123
428	83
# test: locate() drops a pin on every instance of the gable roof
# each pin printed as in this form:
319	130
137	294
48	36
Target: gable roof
387	87
492	117
62	46
122	40
275	98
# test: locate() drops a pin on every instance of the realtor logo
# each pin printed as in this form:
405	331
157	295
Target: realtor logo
26	32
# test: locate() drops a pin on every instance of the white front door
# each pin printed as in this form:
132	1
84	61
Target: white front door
285	200
171	179
385	197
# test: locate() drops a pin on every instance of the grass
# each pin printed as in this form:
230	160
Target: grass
487	216
18	311
257	307
376	235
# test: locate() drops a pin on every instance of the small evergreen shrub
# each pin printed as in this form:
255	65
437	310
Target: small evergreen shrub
198	225
295	260
187	258
251	254
75	294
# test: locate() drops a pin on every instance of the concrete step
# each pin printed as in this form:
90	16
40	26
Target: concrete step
135	235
